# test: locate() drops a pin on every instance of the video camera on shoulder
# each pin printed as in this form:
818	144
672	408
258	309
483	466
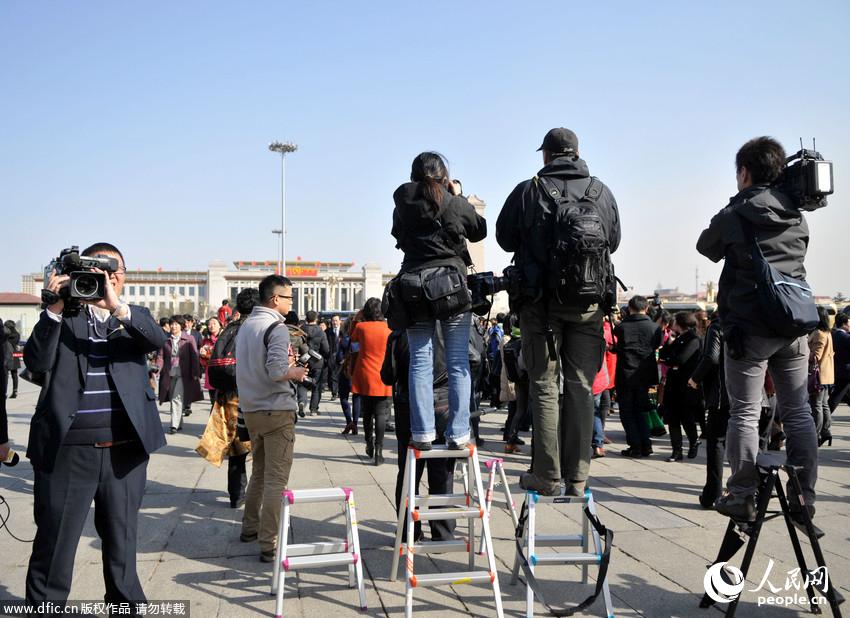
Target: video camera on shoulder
807	179
83	284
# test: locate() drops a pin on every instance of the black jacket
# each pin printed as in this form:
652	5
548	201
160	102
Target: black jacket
681	355
431	236
60	349
317	340
783	237
841	346
638	337
710	371
516	231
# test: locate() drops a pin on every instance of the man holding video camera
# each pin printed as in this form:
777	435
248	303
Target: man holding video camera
95	425
762	214
561	289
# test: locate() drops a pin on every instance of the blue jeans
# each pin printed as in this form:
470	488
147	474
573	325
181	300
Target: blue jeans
601	405
421	378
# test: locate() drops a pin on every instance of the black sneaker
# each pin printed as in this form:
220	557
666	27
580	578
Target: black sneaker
419	446
301	412
632	452
457	446
248	538
739	508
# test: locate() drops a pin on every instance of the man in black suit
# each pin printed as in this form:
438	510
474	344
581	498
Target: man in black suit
95	425
333	345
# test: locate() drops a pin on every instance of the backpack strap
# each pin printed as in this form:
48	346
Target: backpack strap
268	334
607	538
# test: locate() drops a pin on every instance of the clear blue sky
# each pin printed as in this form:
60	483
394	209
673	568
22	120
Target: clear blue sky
146	124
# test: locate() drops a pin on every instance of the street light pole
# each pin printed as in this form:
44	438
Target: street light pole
283	148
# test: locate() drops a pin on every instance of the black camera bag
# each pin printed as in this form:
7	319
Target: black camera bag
445	292
787	304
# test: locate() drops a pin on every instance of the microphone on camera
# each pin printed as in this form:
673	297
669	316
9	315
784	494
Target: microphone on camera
12	459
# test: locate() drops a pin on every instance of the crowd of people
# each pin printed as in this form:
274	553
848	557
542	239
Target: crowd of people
561	362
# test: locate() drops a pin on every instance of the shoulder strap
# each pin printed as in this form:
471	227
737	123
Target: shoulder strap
607	537
268	334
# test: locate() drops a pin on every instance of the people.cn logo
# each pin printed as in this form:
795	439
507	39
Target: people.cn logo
723	583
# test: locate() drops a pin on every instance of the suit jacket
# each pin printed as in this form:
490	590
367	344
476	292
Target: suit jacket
190	370
58	350
333	344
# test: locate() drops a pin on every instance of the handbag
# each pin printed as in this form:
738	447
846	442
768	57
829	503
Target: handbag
814	379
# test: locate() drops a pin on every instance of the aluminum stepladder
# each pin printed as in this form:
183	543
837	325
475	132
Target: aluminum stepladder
468	506
496	466
290	557
769	465
530	541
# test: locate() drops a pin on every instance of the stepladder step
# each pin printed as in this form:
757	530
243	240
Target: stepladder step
564	558
325	560
444	514
453	579
437	547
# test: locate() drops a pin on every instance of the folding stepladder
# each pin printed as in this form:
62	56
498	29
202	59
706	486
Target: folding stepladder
769	465
466	505
496	467
322	554
529	540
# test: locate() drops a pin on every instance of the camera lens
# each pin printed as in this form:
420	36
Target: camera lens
86	286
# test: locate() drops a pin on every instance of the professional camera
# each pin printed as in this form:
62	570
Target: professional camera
482	285
84	284
807	179
306	357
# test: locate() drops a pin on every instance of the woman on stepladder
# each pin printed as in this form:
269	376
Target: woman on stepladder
432	222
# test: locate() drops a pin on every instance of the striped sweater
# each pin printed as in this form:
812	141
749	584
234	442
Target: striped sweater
101	415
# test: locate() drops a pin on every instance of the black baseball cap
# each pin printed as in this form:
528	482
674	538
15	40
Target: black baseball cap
559	140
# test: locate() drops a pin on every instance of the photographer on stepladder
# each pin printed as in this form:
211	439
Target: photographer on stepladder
562	225
766	310
432	222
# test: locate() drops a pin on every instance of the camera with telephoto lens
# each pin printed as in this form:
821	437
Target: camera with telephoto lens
83	283
484	285
307	356
807	179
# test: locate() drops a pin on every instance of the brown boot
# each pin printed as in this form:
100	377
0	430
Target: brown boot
347	429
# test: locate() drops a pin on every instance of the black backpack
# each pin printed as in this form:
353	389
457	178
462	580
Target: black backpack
511	351
579	262
222	363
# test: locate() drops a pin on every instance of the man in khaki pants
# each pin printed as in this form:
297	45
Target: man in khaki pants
267	399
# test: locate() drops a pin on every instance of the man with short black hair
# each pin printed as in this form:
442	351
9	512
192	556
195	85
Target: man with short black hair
224	312
841	345
762	212
636	338
318	342
564	326
94	428
332	333
264	378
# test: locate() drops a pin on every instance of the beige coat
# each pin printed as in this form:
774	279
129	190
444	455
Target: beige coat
507	390
821	352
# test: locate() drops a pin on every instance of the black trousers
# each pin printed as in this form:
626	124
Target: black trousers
375	411
440	473
237	478
115	479
333	377
14	374
715	433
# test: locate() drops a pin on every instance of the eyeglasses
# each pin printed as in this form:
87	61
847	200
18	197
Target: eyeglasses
282	296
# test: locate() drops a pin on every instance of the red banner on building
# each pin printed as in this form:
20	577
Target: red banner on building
301	271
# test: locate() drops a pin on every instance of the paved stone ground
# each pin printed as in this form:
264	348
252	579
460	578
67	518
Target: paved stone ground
189	546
